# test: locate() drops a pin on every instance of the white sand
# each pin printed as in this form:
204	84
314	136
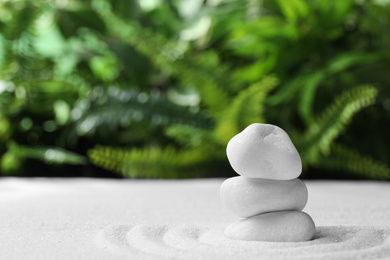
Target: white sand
127	219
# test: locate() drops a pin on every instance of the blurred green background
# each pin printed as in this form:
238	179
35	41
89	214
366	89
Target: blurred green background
155	88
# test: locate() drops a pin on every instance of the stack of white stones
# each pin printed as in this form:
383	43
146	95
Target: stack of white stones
267	194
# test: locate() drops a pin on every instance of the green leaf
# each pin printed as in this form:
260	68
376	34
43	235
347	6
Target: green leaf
293	9
154	162
202	71
333	121
347	60
256	38
334	12
286	91
245	109
24	14
256	70
189	136
5	128
104	67
45	96
10	164
307	96
70	21
123	107
346	159
47	154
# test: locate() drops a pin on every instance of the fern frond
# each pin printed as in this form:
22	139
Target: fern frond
245	109
346	159
202	70
287	90
126	106
189	136
165	162
332	122
336	65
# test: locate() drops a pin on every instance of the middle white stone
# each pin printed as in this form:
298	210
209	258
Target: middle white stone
247	197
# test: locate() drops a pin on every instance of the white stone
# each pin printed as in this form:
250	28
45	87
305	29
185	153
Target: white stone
282	226
247	197
264	151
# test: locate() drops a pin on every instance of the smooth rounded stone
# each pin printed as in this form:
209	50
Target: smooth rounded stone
264	151
247	197
282	226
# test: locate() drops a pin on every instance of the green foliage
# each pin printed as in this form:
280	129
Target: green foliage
203	71
50	155
244	109
151	162
123	107
345	159
17	154
332	122
156	89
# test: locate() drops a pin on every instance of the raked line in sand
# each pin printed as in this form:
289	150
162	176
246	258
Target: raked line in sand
189	242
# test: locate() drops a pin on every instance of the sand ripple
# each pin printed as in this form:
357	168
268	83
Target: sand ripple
190	241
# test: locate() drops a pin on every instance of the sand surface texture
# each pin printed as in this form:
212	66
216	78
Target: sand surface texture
142	219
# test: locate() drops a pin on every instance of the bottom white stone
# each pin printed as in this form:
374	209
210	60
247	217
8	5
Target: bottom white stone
281	226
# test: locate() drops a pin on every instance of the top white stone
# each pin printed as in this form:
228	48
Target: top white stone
264	151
